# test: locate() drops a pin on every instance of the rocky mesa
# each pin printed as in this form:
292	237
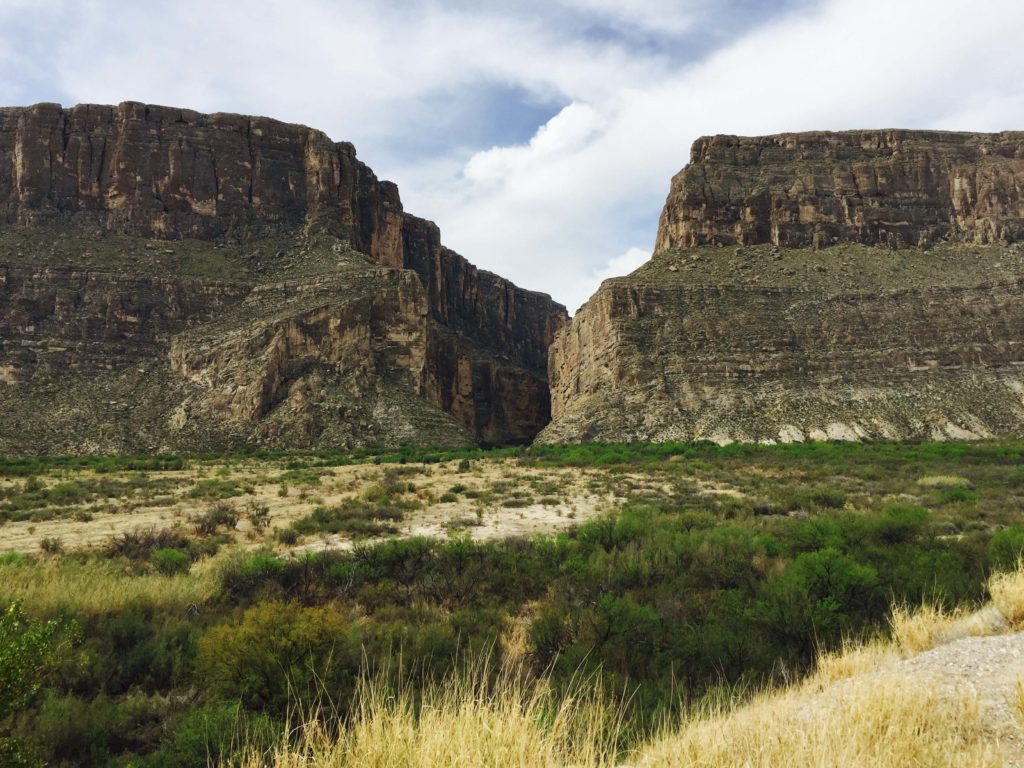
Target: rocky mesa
862	284
171	280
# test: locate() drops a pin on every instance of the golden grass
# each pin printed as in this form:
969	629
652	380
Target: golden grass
944	481
919	629
852	660
463	721
878	721
98	586
1007	591
1019	698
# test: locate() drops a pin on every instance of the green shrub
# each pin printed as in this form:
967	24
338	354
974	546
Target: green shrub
1006	547
214	734
29	651
957	495
170	561
215	489
69	730
281	653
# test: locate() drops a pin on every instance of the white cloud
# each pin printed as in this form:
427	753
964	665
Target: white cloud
559	211
568	131
662	16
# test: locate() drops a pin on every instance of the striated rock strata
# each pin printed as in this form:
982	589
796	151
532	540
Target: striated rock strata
859	285
173	280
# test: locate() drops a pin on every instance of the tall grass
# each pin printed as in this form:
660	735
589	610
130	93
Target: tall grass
95	586
473	718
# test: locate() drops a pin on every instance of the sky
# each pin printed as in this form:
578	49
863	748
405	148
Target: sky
540	135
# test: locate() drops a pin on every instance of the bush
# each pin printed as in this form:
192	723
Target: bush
215	489
281	654
29	651
258	516
170	562
140	544
1006	548
212	735
51	545
222	514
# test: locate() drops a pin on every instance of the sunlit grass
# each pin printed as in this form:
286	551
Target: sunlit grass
98	586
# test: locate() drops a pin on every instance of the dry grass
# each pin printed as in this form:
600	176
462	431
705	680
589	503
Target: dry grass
1019	700
915	630
1007	591
853	660
887	721
944	481
98	587
464	721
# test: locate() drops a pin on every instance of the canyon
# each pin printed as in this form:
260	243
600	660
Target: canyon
174	281
813	286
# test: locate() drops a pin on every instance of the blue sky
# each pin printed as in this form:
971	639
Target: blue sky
540	135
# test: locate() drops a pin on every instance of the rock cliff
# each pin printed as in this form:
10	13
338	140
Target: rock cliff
813	286
876	187
174	280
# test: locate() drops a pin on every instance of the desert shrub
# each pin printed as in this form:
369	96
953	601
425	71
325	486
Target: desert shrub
141	648
170	561
215	489
258	516
281	653
242	575
140	544
1006	547
957	495
351	516
51	545
288	536
222	514
825	592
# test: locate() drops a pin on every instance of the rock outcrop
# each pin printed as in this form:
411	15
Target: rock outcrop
244	281
875	187
860	285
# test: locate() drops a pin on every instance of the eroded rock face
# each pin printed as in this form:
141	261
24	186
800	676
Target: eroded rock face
875	187
791	298
174	173
334	316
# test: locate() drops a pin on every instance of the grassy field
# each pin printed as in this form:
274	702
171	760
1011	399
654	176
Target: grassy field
196	606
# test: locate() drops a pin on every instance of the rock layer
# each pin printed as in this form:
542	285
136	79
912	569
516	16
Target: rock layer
875	187
378	308
792	297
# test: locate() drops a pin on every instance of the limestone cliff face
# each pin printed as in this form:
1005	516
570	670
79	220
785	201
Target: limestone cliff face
814	189
791	298
330	309
173	173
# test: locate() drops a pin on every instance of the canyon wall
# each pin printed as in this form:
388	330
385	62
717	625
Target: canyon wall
321	275
876	187
813	286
